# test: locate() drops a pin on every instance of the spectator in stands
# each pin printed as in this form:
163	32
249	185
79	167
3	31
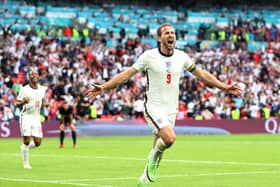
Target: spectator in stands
99	107
83	109
198	116
164	66
138	108
190	108
235	113
57	56
7	31
254	111
265	110
6	113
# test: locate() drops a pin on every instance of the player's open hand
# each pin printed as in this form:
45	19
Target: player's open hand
234	90
94	91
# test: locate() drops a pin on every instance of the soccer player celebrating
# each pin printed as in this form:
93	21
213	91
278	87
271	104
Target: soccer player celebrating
30	99
163	66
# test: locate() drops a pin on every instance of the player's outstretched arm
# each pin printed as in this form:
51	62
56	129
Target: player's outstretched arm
94	91
118	79
211	80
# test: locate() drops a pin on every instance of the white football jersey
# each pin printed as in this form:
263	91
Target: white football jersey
163	75
36	96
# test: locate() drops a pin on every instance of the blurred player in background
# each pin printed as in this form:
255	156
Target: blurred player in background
30	99
163	66
66	118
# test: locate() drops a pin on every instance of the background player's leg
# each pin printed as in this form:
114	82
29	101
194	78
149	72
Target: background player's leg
31	145
74	135
36	143
25	152
61	135
74	138
61	138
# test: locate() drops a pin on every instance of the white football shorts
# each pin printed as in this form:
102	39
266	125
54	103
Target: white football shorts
157	120
30	126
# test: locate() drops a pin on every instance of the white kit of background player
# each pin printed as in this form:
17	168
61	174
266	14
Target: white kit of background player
31	99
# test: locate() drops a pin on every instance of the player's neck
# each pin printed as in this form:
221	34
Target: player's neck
33	85
165	52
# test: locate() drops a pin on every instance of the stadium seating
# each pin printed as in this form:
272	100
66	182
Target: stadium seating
131	18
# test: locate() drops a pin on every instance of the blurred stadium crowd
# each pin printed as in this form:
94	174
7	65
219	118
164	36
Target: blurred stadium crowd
72	55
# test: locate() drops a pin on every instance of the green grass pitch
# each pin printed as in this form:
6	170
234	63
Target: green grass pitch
193	161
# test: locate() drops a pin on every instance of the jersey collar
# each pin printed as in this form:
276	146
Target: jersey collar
165	54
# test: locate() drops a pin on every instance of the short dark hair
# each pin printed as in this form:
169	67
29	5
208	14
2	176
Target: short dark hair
31	70
159	32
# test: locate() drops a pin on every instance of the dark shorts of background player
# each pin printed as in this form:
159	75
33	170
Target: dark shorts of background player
66	121
83	112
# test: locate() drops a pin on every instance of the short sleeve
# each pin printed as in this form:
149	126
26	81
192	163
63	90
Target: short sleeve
20	94
189	64
141	63
43	90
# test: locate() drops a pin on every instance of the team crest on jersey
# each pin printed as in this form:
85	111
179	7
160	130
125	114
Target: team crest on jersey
159	121
168	66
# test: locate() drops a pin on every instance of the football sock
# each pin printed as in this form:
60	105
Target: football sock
155	156
62	134
158	149
144	178
25	153
74	137
31	145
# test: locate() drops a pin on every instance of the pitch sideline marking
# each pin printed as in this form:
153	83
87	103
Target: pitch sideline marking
71	182
165	160
182	175
62	182
205	142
